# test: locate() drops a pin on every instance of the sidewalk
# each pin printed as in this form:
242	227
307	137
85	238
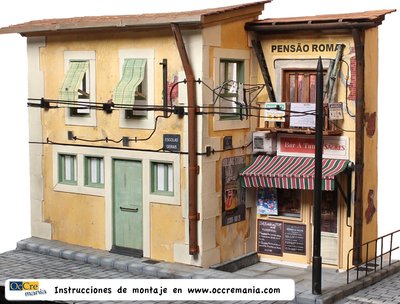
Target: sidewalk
334	285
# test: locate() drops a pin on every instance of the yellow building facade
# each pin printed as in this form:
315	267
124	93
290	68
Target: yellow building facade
109	109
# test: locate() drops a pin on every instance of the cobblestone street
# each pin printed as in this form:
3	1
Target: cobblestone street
20	263
37	258
386	291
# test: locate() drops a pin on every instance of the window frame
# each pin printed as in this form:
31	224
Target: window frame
233	54
86	117
88	171
240	69
154	178
126	120
62	169
286	85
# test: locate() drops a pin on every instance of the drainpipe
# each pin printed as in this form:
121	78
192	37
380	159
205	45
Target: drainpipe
192	140
358	36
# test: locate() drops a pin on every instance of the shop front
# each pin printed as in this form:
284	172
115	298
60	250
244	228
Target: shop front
283	186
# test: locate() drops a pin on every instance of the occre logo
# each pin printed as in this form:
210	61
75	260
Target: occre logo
20	285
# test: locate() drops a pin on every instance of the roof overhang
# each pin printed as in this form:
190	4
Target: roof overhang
337	22
186	20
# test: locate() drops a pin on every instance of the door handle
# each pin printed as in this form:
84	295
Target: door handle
129	209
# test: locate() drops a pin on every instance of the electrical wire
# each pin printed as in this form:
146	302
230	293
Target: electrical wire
160	150
344	130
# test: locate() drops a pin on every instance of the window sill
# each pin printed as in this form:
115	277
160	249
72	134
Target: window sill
77	189
164	199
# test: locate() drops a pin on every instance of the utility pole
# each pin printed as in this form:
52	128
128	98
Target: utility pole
317	260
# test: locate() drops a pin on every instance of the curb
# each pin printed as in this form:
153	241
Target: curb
136	266
340	293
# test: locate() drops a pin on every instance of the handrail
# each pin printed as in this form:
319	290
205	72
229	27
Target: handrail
376	255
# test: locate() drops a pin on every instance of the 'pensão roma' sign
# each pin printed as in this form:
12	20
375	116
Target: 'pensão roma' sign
304	47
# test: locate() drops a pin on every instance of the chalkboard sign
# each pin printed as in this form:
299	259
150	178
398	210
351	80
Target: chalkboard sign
269	240
294	238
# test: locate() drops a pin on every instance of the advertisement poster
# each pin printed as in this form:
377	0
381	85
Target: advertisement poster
233	195
267	201
302	115
275	111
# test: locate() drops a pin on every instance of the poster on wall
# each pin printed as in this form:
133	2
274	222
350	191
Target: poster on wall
302	115
275	111
267	201
233	195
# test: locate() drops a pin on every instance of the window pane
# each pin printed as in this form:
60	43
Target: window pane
170	179
313	88
101	171
292	80
160	177
222	76
94	170
67	168
68	165
300	88
232	71
329	212
289	203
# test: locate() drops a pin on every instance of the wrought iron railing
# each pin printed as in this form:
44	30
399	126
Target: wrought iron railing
367	256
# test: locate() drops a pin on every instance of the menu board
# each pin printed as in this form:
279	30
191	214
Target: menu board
294	238
269	239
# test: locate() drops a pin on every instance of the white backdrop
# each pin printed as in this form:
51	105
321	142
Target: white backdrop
14	167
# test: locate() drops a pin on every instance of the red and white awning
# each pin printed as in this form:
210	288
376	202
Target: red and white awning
290	172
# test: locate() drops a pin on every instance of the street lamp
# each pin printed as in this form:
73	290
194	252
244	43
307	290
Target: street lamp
317	260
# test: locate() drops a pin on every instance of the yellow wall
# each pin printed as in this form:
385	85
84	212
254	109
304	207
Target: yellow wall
231	238
80	218
167	228
76	219
370	143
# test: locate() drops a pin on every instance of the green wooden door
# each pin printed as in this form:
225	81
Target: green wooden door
127	204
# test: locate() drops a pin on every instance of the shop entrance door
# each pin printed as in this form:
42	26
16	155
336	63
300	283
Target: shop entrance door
329	228
127	207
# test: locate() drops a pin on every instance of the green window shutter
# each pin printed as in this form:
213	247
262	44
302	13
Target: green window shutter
73	79
132	76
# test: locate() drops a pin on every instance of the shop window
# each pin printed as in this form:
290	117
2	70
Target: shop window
67	169
132	87
289	203
94	172
231	78
329	210
162	178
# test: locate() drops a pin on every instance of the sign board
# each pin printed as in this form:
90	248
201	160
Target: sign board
294	238
275	111
335	111
227	144
336	147
302	115
172	142
269	237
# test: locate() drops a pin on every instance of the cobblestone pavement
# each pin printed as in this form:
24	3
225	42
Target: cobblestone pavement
386	291
20	263
37	258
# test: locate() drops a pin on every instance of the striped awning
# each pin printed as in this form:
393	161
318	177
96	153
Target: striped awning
290	172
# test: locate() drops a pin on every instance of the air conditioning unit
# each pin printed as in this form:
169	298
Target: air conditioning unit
264	142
